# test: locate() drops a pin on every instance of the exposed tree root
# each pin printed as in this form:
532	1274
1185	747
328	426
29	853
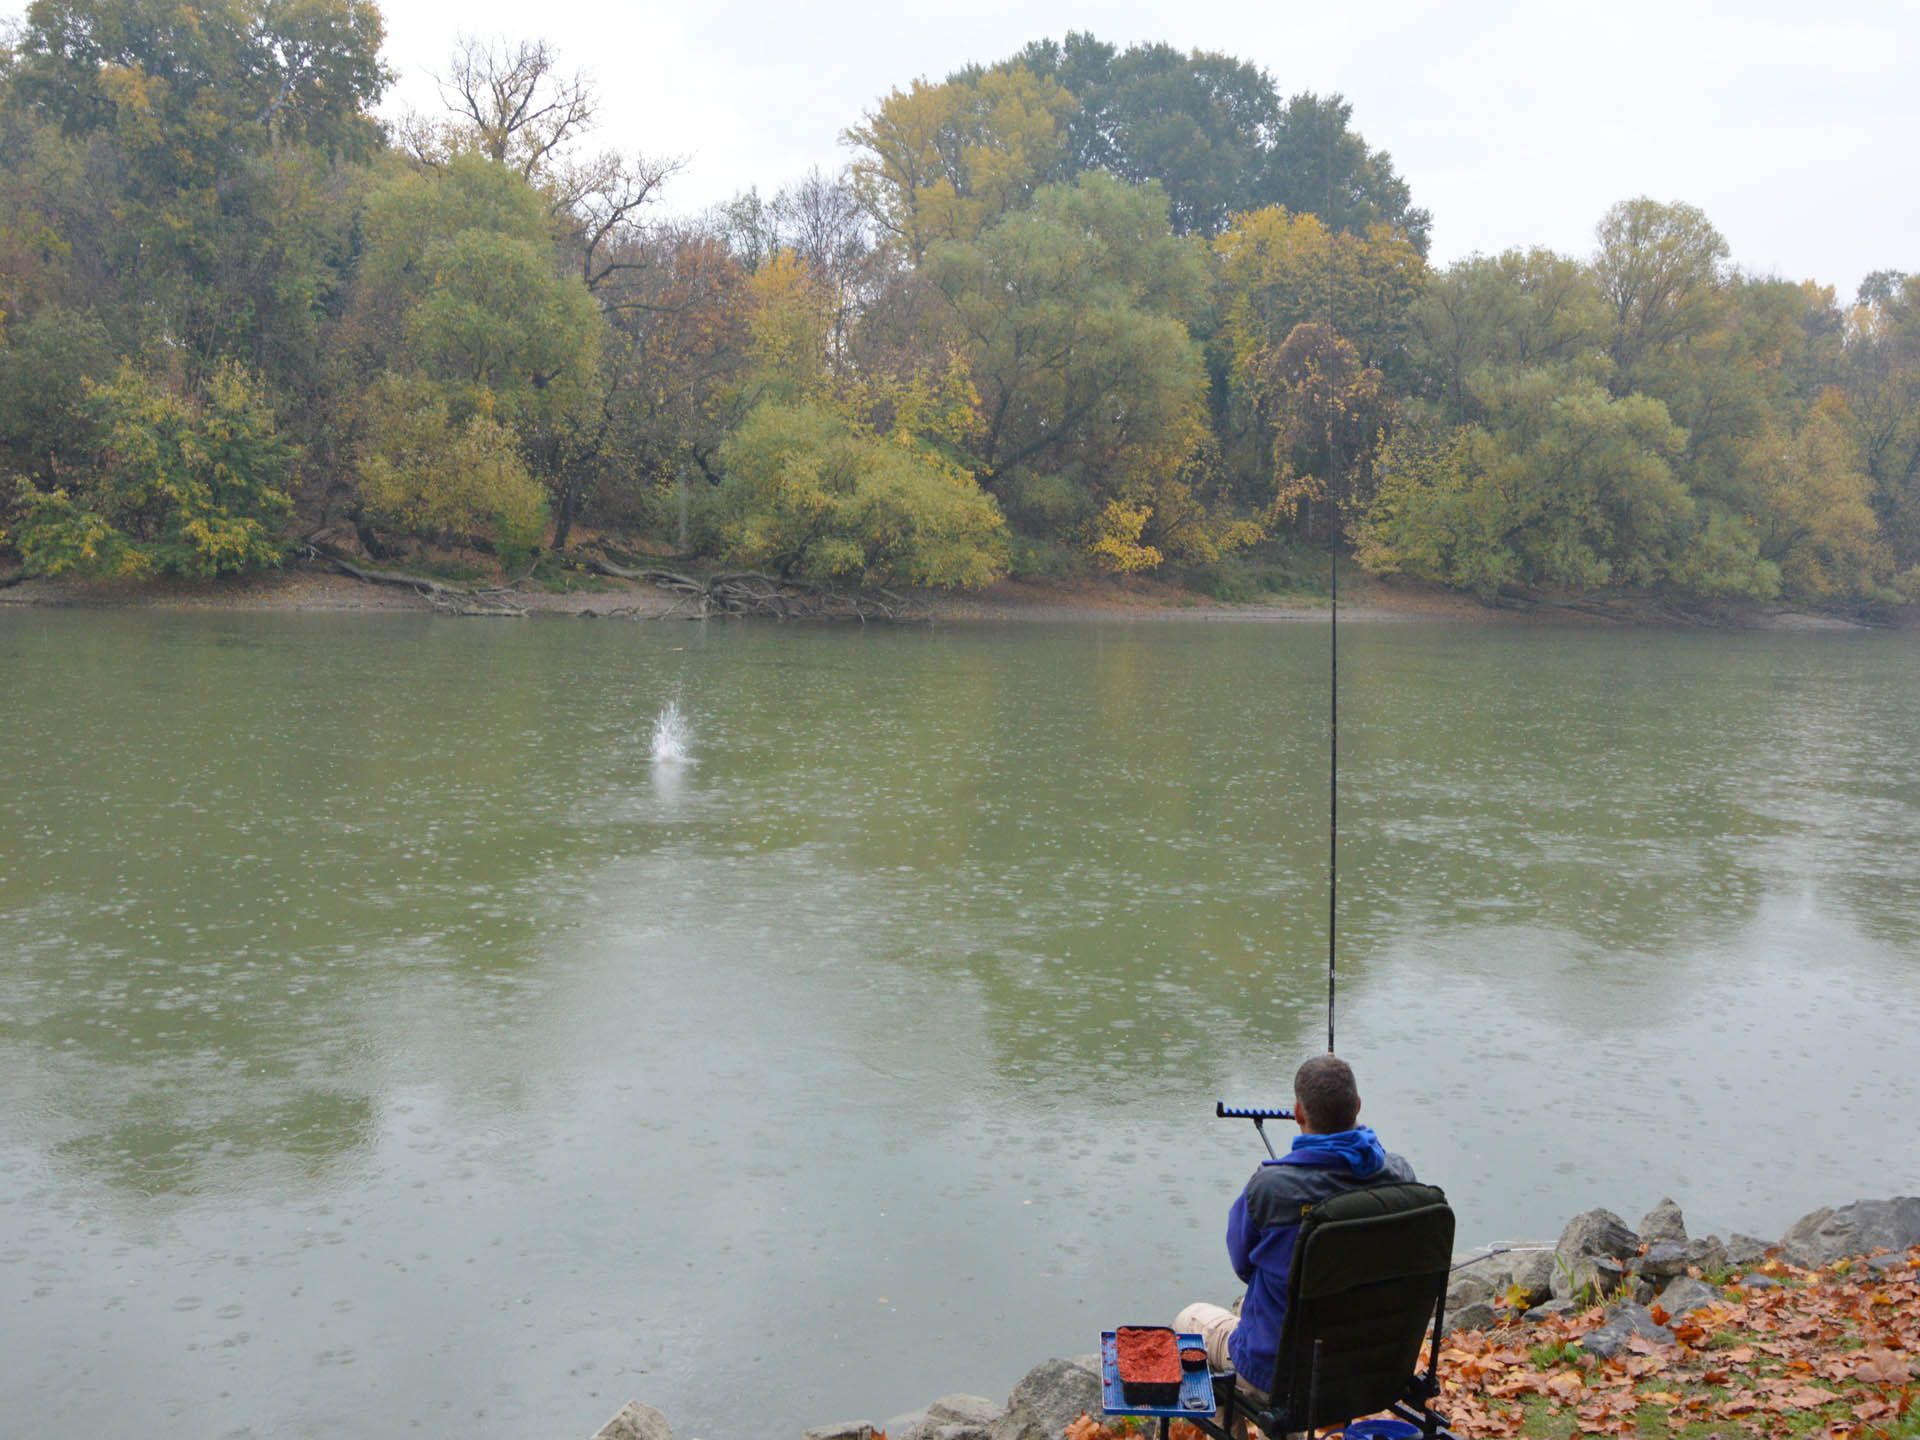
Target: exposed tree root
751	593
493	600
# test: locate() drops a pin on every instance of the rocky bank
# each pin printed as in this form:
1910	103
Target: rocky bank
1646	1275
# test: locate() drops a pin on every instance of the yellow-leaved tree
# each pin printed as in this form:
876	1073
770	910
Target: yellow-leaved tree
853	478
940	162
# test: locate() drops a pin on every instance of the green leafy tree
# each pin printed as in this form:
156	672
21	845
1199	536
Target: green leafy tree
461	267
197	138
463	283
424	474
47	430
1522	309
1072	314
1215	134
811	495
1197	123
1880	371
178	486
1566	487
1318	162
1662	270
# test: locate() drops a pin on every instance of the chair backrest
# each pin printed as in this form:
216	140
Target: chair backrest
1369	1275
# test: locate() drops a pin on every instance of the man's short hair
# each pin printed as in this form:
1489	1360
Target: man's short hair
1325	1086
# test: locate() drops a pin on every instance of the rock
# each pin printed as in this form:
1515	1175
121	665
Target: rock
1886	1264
1663	1261
1598	1232
1709	1254
1759	1282
1533	1274
1547	1309
1745	1250
1477	1316
1663	1223
951	1417
1050	1397
1828	1235
845	1430
1686	1294
1492	1277
1623	1322
1598	1276
1468	1287
642	1422
1589	1241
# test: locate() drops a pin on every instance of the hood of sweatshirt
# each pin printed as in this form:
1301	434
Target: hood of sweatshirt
1358	1151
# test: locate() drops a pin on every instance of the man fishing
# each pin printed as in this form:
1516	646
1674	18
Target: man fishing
1332	1153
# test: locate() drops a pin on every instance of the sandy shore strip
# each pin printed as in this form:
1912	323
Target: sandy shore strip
302	589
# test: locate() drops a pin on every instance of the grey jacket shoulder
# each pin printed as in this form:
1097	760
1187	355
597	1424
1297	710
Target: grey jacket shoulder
1278	1193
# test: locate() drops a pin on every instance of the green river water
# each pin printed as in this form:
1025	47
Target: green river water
388	1045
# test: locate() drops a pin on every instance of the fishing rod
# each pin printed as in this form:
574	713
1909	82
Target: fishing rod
1333	622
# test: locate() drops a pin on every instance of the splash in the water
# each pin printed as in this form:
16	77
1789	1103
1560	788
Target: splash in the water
671	736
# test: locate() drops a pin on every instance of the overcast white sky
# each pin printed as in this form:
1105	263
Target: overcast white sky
1795	126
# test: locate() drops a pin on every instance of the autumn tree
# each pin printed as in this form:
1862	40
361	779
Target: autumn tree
1815	522
178	484
838	476
1881	375
463	285
1564	487
941	162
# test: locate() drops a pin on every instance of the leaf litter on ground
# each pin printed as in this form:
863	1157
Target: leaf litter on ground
1831	1354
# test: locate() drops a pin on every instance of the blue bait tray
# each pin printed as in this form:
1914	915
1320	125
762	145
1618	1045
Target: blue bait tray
1196	1386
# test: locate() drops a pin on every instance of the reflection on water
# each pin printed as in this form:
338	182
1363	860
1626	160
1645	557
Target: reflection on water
385	1041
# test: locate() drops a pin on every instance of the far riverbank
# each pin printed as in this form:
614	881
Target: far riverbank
1127	599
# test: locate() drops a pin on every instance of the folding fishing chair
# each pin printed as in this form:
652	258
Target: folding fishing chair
1369	1275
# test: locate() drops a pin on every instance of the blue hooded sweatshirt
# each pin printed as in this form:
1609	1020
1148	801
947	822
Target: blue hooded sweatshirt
1265	1221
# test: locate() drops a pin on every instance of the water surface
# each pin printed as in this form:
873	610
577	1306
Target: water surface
389	1042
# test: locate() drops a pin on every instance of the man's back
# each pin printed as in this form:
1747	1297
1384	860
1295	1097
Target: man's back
1265	1221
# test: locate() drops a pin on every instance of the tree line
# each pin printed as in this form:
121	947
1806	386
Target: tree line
1083	309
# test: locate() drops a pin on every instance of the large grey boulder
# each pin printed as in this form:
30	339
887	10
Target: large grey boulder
1592	1252
1050	1397
844	1430
1663	1261
1827	1235
1663	1223
1686	1294
1745	1249
637	1422
1623	1322
951	1417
